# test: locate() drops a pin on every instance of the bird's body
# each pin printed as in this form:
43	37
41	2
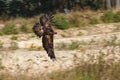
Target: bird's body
47	36
47	42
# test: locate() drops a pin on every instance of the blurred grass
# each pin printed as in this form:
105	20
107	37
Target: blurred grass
23	25
83	72
73	19
9	29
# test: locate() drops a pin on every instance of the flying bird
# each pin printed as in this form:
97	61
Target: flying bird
44	30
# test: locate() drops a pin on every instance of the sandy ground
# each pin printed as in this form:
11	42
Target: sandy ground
34	62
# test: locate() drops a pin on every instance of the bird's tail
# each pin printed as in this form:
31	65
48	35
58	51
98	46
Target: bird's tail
51	55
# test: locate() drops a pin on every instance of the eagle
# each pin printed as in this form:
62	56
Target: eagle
44	29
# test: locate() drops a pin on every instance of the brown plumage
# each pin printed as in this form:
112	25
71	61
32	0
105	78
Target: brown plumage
38	30
45	30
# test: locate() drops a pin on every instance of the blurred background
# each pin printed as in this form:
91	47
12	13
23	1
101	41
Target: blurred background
87	43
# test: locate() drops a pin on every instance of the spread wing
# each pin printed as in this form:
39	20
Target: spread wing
38	30
45	18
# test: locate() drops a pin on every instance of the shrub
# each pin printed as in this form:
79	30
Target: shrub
117	17
108	17
23	28
94	21
9	29
60	21
1	45
14	38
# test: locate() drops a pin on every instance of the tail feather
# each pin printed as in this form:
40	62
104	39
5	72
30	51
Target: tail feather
51	54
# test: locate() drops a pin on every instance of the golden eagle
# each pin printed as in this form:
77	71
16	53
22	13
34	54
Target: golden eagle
44	30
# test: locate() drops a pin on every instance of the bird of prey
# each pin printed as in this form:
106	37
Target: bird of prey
44	30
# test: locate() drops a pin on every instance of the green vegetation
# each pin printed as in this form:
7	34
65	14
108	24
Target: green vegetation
24	28
74	45
1	45
14	37
28	8
94	21
108	17
101	70
68	46
117	17
9	29
60	21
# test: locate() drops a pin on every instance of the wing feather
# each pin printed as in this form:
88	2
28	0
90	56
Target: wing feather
38	30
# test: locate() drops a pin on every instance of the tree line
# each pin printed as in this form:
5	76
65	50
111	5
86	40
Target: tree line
28	8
